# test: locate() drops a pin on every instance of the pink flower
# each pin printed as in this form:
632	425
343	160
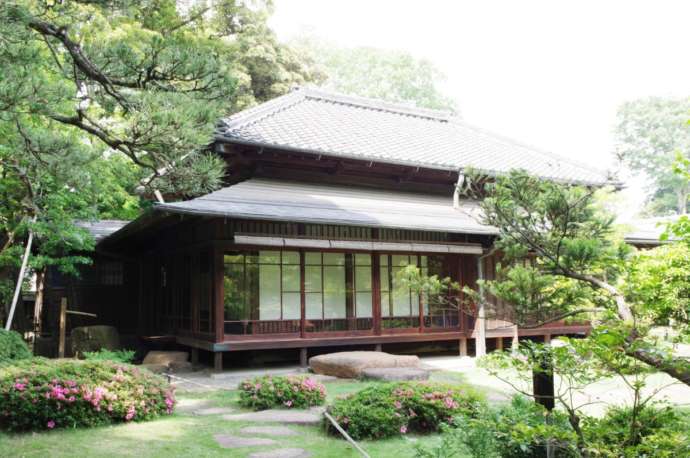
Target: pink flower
288	403
450	403
51	424
19	386
403	429
397	404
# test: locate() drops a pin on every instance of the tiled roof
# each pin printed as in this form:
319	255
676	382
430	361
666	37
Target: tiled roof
647	231
317	122
277	200
101	229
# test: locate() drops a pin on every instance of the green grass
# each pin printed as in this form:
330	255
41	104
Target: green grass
185	434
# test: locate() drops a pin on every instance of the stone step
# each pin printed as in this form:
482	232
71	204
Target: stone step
295	417
230	441
268	430
282	453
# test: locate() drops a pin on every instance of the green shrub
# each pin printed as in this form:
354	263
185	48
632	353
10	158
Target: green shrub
520	429
118	356
393	409
292	392
41	393
661	432
12	347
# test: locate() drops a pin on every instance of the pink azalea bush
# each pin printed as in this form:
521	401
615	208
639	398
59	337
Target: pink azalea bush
45	394
290	392
394	409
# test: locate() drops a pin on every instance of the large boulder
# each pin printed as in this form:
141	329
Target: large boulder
167	361
350	364
395	374
94	338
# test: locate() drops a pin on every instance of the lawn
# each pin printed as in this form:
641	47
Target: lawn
186	434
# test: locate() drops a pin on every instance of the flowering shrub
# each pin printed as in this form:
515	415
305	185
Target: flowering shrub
399	408
291	392
12	347
47	394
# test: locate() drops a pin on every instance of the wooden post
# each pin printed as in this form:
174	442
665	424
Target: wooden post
218	361
499	343
516	340
480	325
463	346
195	356
303	357
547	339
376	291
302	304
61	326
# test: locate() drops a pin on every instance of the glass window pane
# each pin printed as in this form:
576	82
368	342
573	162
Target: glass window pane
234	258
291	306
334	292
414	304
385	278
362	259
314	306
383	259
413	260
400	260
290	257
312	258
269	257
234	286
334	259
312	278
363	305
291	278
401	297
385	304
362	278
269	292
424	261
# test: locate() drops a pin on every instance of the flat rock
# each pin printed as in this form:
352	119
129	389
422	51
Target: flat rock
268	430
294	417
229	441
179	367
282	453
155	368
190	405
394	374
165	357
350	364
213	411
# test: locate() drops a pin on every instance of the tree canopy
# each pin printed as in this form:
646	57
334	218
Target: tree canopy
651	134
98	97
391	75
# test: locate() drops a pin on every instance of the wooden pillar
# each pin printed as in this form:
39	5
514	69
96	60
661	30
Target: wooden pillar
218	361
302	305
303	357
480	325
499	343
463	346
218	296
195	356
376	291
62	327
547	339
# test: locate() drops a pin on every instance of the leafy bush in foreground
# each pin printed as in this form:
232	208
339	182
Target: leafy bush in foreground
118	356
42	393
12	347
267	392
393	409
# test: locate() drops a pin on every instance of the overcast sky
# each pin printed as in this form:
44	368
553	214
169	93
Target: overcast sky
548	73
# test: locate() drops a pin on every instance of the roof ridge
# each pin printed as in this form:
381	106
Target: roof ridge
376	104
528	146
261	111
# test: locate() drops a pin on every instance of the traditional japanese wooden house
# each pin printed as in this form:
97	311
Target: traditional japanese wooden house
327	198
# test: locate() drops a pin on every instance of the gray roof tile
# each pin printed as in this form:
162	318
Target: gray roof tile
313	121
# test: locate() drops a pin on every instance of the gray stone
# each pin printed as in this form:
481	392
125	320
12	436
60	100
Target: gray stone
94	338
349	364
213	411
268	430
165	357
155	368
394	374
228	441
282	453
294	417
190	405
179	367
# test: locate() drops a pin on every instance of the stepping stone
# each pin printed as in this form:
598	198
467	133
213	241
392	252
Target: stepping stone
214	411
269	430
350	364
190	405
228	441
294	417
282	453
394	374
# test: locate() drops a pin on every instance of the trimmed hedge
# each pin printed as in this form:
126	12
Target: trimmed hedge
46	394
392	409
12	347
290	392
